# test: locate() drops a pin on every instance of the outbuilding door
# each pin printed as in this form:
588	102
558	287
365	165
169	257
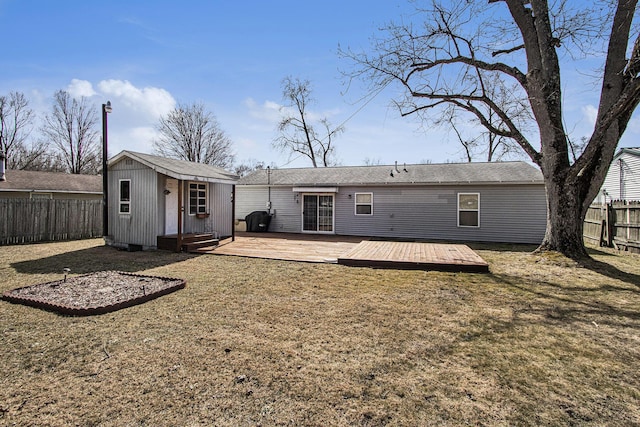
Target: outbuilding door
171	206
317	213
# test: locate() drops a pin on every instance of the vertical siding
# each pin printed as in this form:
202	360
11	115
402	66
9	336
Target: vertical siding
507	213
140	226
219	207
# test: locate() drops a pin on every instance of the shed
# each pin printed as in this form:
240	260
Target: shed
493	202
623	179
151	197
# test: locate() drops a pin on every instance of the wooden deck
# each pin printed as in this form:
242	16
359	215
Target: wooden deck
354	251
289	247
414	256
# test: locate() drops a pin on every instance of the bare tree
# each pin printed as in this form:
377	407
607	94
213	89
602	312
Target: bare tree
71	128
16	121
189	132
458	49
249	166
297	131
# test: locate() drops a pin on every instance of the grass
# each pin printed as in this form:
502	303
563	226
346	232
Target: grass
538	341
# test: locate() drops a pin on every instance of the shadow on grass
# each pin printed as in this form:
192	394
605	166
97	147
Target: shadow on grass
613	272
99	258
560	303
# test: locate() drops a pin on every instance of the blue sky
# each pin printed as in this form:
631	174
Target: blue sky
145	56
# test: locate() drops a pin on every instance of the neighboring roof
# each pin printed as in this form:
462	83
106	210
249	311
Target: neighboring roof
449	173
178	169
634	151
51	182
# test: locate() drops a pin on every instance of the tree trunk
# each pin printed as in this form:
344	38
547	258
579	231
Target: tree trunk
565	220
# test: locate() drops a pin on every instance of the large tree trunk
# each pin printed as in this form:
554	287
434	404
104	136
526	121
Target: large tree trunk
565	219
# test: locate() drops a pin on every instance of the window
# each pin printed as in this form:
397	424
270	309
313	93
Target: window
197	198
125	196
468	210
364	203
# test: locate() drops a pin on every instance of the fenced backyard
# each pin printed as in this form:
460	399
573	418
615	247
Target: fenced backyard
615	224
36	220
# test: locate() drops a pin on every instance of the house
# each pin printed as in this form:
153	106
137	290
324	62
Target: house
20	184
623	179
150	197
493	202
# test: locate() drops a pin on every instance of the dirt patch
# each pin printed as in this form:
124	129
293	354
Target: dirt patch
94	293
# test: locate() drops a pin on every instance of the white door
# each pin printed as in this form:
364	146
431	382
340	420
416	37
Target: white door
171	206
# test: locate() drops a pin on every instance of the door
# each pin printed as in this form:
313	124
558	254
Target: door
171	206
317	213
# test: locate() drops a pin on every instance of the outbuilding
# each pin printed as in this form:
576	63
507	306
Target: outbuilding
155	201
491	202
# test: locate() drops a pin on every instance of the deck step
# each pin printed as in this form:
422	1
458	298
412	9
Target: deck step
203	250
195	245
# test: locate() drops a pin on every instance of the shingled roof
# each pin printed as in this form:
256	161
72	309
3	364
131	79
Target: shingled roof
432	174
178	169
51	182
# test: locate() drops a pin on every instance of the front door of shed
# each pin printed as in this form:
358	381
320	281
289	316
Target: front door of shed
317	213
171	206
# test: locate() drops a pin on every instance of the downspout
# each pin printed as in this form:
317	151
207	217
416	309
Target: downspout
179	239
233	213
269	189
621	182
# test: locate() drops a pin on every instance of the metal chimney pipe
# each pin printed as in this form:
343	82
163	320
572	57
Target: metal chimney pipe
3	158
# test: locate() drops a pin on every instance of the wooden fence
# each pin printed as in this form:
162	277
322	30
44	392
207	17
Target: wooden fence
37	220
615	224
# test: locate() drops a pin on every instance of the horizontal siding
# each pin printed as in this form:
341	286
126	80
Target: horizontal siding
507	213
625	185
287	216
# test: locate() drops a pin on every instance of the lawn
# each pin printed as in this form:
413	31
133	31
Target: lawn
538	341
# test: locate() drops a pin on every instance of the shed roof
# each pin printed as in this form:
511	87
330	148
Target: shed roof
51	182
428	174
178	169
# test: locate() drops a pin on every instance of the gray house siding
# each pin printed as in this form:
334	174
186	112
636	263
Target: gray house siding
140	226
288	213
623	179
508	213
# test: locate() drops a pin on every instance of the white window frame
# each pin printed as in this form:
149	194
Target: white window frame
356	204
205	199
468	210
122	202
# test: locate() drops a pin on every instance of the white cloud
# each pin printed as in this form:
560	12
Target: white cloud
268	111
151	101
79	88
590	113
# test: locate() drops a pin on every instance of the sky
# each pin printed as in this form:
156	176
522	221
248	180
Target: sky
147	56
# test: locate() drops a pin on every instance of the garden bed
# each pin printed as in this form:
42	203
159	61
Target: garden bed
94	293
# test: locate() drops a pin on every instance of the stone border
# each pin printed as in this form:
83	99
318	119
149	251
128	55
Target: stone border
45	304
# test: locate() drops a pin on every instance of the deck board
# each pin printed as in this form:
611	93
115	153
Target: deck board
354	251
414	255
